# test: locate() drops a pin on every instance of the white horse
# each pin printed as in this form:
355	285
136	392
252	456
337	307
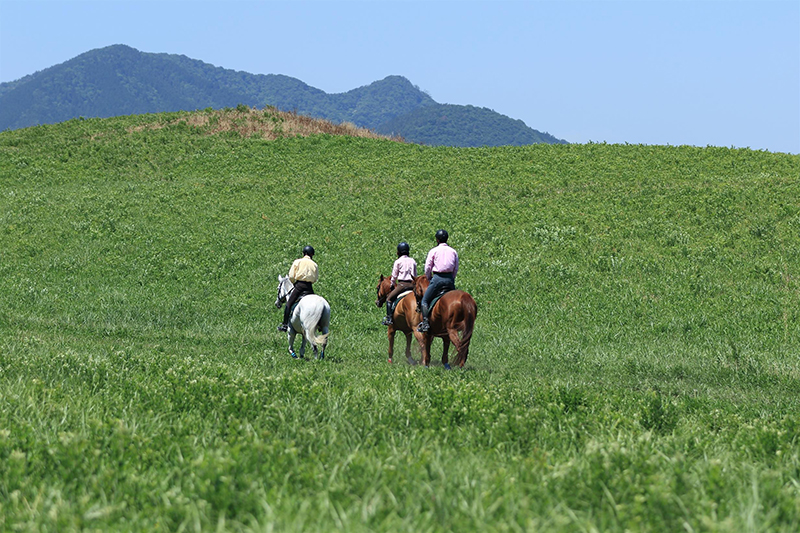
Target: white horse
311	314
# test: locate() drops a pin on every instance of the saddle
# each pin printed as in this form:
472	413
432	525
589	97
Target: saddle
297	302
441	292
400	297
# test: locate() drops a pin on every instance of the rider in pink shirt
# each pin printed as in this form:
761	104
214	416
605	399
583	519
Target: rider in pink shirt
404	271
441	267
442	258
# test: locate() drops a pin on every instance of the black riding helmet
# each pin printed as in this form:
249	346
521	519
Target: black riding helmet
309	251
403	249
441	236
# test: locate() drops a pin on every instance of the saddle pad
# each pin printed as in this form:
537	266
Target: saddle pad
291	312
400	297
439	294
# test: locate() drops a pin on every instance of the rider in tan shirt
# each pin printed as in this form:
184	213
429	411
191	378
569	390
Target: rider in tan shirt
304	269
303	273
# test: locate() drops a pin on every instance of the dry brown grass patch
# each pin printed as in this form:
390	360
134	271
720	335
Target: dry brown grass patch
268	123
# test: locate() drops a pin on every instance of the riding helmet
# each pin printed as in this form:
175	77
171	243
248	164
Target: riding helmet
403	248
309	251
441	235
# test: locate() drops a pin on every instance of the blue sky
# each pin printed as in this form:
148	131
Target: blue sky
713	72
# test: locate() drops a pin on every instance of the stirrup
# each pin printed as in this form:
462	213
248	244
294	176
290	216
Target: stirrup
423	327
387	321
283	327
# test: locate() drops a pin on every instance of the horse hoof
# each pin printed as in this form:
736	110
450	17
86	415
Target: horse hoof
294	355
447	366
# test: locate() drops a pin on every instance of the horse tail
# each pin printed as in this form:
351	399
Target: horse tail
470	308
322	323
321	340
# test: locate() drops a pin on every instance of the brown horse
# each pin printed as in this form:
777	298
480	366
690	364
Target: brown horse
405	317
454	313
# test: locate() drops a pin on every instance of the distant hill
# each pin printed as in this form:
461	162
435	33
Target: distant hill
120	80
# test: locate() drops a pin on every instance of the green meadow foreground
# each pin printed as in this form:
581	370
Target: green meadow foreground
635	363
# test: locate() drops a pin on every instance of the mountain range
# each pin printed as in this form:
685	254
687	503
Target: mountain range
120	80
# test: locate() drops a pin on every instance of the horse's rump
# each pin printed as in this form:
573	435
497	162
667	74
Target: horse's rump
454	319
313	315
455	308
312	309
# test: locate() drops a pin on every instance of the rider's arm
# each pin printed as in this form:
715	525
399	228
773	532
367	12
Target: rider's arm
429	264
395	273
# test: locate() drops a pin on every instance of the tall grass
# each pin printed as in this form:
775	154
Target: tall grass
634	365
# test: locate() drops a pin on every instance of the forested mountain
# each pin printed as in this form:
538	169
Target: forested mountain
463	125
120	80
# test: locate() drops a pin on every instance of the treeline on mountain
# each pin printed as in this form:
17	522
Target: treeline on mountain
463	125
120	80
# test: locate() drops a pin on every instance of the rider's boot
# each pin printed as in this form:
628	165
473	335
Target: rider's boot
283	327
387	321
424	326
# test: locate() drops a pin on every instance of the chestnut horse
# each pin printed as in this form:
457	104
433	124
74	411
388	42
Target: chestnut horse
405	317
454	313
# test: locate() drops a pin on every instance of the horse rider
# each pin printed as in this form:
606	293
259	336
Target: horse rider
303	274
404	271
441	267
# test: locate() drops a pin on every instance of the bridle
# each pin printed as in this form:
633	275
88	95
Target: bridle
381	299
283	294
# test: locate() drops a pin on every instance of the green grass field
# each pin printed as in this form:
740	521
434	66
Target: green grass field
635	364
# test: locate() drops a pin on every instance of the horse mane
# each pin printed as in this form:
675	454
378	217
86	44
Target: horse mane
421	283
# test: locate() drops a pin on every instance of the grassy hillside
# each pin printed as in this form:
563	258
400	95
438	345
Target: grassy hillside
634	366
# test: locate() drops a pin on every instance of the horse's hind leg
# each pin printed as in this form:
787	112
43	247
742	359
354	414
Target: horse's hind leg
445	349
303	347
427	353
461	349
312	341
410	359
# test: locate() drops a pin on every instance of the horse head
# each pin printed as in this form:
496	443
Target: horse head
383	289
284	288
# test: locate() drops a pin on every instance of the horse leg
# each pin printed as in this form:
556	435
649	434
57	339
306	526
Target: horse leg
324	331
422	339
461	358
426	353
410	359
303	346
308	337
446	347
322	350
292	335
391	333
